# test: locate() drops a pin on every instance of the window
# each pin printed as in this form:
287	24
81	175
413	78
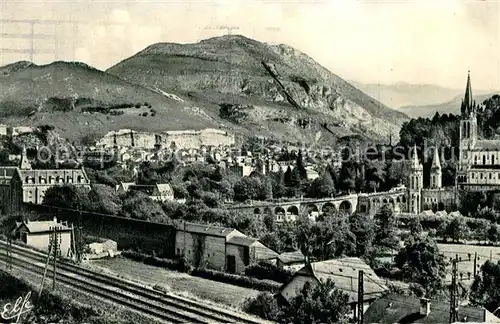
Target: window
481	176
472	175
490	175
492	159
484	159
475	159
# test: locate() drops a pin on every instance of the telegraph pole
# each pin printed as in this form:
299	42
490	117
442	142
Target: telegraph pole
9	253
454	291
55	250
475	264
360	297
46	265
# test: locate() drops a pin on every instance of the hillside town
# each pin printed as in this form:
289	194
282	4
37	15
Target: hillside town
272	218
170	174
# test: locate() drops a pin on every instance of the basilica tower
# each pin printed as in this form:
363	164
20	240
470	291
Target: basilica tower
416	184
468	126
436	174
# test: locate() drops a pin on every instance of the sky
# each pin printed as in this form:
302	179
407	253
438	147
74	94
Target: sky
423	42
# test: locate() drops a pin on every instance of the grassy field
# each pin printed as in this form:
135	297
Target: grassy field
178	283
462	250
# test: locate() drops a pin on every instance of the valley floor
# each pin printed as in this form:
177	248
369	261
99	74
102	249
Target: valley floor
176	282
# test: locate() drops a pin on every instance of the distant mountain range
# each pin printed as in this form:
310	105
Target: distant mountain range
452	106
419	100
183	86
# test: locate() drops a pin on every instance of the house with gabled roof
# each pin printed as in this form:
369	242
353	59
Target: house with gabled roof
219	248
291	260
409	309
38	235
157	192
344	273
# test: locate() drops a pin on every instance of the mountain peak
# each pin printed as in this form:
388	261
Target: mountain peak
226	70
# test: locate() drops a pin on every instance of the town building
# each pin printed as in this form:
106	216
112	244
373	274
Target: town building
158	192
292	261
219	248
344	273
479	159
38	234
29	186
6	173
409	309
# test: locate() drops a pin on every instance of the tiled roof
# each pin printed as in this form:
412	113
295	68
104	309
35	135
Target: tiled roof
455	214
345	272
493	145
148	190
406	309
164	188
291	257
204	229
441	213
42	226
242	240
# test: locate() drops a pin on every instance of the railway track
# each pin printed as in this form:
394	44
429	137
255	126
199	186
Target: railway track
161	305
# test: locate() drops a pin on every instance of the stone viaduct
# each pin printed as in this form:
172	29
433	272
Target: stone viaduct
366	203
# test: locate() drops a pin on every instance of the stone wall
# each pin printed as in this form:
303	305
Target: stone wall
126	232
202	250
182	139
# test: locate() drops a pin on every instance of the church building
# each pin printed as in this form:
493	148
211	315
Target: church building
479	159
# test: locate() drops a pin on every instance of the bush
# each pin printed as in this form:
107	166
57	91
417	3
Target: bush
242	281
266	270
145	114
180	264
138	105
263	305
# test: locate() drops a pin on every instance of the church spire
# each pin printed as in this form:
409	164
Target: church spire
468	101
25	163
436	163
416	163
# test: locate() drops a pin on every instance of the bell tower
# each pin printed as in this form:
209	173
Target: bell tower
436	174
468	126
416	184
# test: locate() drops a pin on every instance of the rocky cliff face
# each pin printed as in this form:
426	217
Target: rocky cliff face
231	67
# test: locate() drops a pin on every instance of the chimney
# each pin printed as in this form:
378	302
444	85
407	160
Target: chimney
55	220
425	306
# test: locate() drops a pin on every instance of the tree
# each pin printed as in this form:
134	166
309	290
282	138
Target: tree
386	237
256	187
322	186
279	188
421	262
318	303
263	305
67	196
374	176
305	236
139	206
348	176
493	233
456	229
103	199
363	228
332	238
415	230
484	290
